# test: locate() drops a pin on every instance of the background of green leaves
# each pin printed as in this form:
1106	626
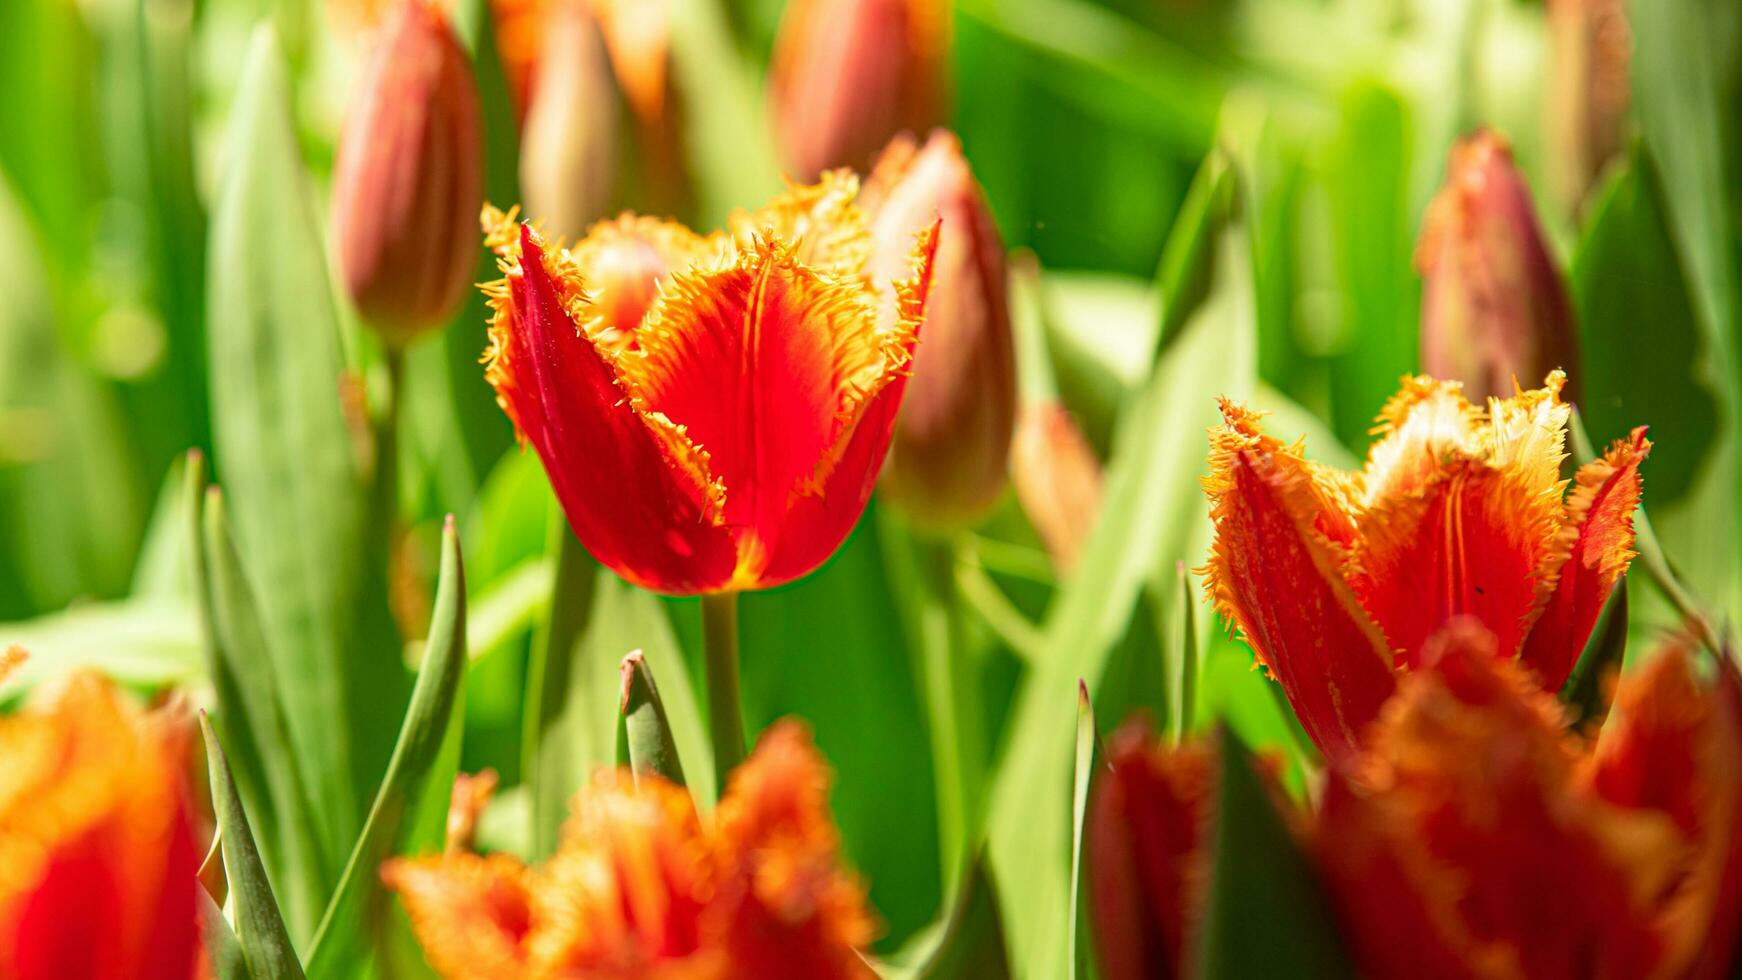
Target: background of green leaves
1222	198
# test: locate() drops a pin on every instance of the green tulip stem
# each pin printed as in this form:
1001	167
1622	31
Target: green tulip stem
725	710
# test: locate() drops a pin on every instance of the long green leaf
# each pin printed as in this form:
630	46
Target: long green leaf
266	946
1153	515
1259	878
414	793
1082	777
271	777
284	452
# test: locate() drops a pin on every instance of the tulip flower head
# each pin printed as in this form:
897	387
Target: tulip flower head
949	460
1337	580
1494	309
848	75
712	411
1589	89
1476	837
1058	480
98	861
409	177
643	887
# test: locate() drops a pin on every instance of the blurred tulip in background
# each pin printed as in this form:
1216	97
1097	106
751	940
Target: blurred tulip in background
949	459
408	181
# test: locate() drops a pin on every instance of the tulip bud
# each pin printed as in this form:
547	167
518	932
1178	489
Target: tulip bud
1494	309
568	148
850	74
1057	479
949	458
408	181
1147	852
1590	48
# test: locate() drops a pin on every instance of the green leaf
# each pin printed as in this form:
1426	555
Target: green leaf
222	947
1101	334
1604	651
266	946
1180	649
284	451
1084	773
730	142
1188	261
967	942
271	777
1260	879
149	643
647	736
413	798
163	558
1153	514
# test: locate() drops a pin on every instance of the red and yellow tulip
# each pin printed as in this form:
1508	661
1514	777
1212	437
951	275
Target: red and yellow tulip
97	851
1337	580
712	411
643	887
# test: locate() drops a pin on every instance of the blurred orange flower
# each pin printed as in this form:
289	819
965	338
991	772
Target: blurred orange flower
1476	837
642	887
97	851
712	411
1338	579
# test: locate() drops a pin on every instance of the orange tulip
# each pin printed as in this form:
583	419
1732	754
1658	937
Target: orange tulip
1475	837
711	411
643	887
1590	86
1338	579
1058	480
409	176
97	851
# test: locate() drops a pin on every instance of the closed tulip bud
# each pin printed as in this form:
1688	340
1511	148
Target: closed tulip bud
949	458
1494	309
568	149
1590	51
1057	479
408	182
850	74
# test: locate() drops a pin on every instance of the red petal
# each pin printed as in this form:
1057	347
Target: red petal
1468	543
1599	523
1276	574
636	501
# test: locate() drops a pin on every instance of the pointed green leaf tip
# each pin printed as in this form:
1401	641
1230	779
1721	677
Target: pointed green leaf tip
645	729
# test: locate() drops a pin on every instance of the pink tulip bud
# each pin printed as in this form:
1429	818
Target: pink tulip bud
949	458
850	74
1057	479
1494	309
568	147
1590	51
409	180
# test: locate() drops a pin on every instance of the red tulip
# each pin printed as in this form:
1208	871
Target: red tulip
97	852
568	147
1589	90
409	177
711	411
848	75
949	459
1337	580
1494	310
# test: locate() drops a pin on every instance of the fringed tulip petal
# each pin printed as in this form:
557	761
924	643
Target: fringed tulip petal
1673	745
1276	576
1461	833
471	914
1598	543
638	495
1469	542
98	863
787	907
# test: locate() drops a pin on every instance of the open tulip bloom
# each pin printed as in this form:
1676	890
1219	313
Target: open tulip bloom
712	411
1338	579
